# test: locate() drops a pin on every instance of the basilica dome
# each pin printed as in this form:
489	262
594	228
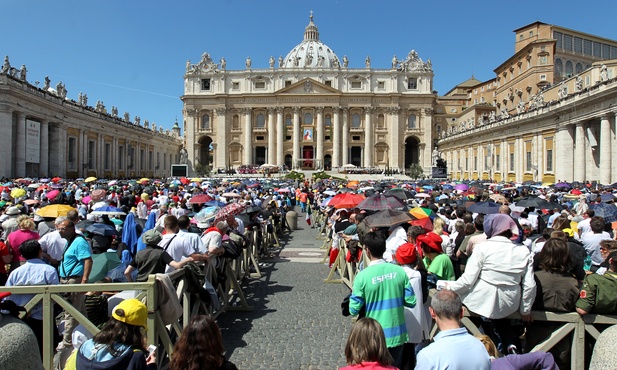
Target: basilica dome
311	53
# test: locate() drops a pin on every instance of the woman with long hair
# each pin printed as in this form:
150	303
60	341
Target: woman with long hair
366	347
120	344
200	347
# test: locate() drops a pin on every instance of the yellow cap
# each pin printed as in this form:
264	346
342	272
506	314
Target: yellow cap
132	312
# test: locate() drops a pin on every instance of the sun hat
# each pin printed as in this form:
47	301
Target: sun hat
12	211
431	240
132	312
151	237
406	254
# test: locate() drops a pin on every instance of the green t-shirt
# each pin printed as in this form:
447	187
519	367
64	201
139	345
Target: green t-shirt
440	266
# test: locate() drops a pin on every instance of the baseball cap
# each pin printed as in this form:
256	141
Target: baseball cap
132	312
151	237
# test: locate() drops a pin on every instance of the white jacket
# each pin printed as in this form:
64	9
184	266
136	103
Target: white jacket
417	319
498	279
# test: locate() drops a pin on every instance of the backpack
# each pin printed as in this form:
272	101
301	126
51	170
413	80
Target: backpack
232	250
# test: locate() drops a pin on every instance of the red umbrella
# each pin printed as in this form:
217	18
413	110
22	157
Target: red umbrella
185	181
345	200
200	199
42	187
98	194
576	192
425	223
230	209
52	194
56	180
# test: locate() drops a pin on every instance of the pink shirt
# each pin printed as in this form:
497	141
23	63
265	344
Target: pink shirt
16	238
369	365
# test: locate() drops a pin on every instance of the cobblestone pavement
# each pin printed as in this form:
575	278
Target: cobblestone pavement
296	322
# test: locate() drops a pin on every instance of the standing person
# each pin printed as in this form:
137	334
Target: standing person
599	292
200	347
53	244
25	231
385	290
175	244
591	241
74	268
454	348
366	347
438	263
498	279
33	272
120	345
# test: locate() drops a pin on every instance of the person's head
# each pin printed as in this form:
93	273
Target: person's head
413	232
470	229
504	209
201	342
525	214
597	224
499	224
375	244
352	218
559	235
183	222
59	220
73	216
589	213
430	244
171	223
231	221
163	209
561	223
66	229
360	217
555	256
438	225
459	226
125	326
367	343
478	222
612	261
607	246
30	249
25	223
489	345
446	305
222	226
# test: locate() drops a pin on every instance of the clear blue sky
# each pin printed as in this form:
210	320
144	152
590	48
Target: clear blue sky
132	54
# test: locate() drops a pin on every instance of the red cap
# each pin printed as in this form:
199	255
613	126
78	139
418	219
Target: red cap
406	254
431	240
4	294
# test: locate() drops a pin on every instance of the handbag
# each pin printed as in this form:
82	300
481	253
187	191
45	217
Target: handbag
345	307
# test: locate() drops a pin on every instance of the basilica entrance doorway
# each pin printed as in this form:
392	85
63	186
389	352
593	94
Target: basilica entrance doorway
412	152
356	156
308	162
260	155
205	151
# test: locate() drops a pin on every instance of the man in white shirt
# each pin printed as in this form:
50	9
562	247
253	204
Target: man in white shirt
193	239
160	222
53	244
175	244
584	226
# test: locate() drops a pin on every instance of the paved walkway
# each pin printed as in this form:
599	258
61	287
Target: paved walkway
296	322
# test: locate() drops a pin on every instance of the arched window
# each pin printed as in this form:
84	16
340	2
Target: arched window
328	122
569	69
411	121
558	67
579	68
288	120
261	121
205	122
308	119
355	120
381	121
235	122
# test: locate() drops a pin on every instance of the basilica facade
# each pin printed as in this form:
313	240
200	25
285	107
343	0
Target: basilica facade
309	110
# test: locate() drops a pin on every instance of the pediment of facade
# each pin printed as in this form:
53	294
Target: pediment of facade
308	86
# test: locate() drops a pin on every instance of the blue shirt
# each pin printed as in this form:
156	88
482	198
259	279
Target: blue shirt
73	261
454	349
33	272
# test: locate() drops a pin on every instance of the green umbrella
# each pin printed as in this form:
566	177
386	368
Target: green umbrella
102	263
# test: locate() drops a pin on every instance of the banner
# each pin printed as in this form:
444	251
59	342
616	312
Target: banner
33	141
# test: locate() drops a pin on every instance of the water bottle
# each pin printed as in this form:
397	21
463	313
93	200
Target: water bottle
587	263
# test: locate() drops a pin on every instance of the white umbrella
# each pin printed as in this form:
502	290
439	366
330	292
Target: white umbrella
348	165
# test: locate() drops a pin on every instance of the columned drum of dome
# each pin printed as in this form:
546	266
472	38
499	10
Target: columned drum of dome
309	109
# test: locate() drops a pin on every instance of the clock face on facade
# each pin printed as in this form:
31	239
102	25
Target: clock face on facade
413	65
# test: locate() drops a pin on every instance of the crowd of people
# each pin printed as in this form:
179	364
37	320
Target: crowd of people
481	247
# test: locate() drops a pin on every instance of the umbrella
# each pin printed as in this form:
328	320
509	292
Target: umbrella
52	194
108	210
252	209
215	203
607	197
98	194
423	195
498	198
56	180
537	202
421	212
345	200
400	193
562	186
90	179
143	179
83	224
461	187
86	199
486	208
55	210
184	181
102	263
112	182
380	202
30	202
42	187
425	223
330	192
605	210
230	209
231	195
102	229
283	190
200	199
388	218
17	193
205	215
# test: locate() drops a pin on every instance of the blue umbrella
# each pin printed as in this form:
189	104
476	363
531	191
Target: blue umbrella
215	203
129	233
486	208
102	229
606	210
150	223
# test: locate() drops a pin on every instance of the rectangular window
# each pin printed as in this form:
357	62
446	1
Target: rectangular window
288	83
142	159
466	164
528	164
91	154
542	77
150	161
497	162
549	160
486	162
158	161
381	85
329	83
260	138
606	51
235	85
120	157
356	84
72	151
558	37
587	50
578	45
613	52
597	49
412	83
567	42
475	163
205	84
355	138
511	162
260	85
107	156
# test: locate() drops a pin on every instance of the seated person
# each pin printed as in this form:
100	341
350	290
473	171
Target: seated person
599	292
